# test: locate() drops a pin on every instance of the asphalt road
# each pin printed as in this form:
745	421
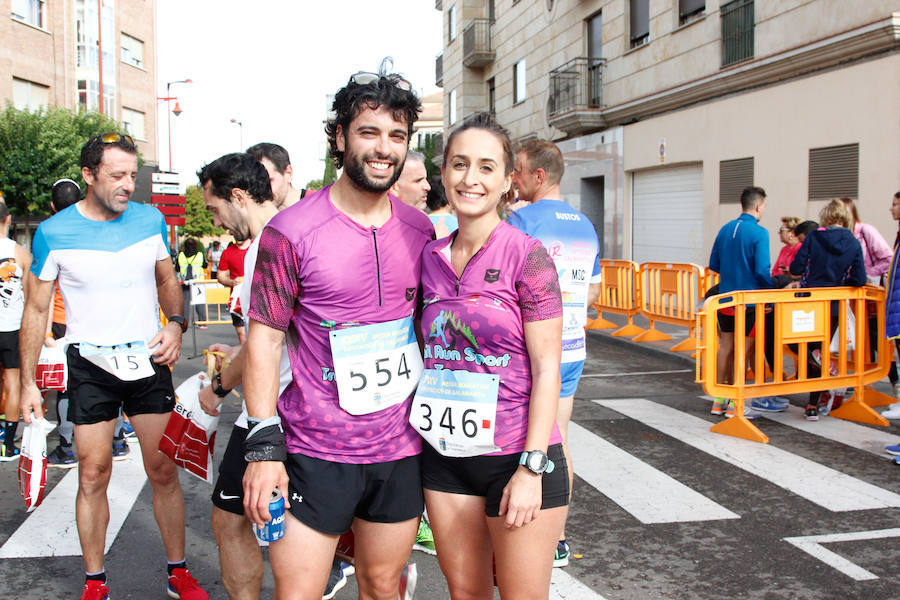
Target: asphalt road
663	508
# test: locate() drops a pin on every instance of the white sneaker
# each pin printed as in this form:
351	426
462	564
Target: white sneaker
892	413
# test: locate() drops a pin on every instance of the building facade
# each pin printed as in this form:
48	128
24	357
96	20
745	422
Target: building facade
666	109
52	53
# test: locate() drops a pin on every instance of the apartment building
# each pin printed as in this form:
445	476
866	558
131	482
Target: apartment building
52	52
666	109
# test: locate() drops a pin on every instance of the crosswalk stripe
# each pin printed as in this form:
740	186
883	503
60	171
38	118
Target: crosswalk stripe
636	486
50	529
808	479
811	544
565	587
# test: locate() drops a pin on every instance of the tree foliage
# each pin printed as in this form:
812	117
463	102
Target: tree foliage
428	148
315	184
37	148
330	174
198	221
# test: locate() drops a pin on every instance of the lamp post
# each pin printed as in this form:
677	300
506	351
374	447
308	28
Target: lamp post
241	125
168	100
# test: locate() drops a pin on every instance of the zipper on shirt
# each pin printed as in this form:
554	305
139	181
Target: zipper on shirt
378	263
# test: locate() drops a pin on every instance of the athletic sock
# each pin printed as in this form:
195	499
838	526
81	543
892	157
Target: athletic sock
9	432
176	565
98	576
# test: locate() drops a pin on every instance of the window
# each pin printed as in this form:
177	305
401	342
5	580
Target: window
737	31
689	10
451	24
32	12
519	81
734	176
834	172
133	122
87	57
132	51
452	104
640	22
595	36
492	12
492	96
30	96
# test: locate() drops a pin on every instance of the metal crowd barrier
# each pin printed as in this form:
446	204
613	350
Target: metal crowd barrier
619	294
801	317
215	297
670	294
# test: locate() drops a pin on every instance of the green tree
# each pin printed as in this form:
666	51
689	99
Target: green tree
314	184
330	174
428	148
198	221
37	148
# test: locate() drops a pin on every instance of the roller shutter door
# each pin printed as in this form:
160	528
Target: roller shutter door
667	215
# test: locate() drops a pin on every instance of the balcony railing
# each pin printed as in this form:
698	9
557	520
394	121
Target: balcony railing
737	31
576	95
477	50
439	70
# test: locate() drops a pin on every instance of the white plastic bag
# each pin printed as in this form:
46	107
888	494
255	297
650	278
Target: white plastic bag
51	372
408	578
850	332
33	462
190	435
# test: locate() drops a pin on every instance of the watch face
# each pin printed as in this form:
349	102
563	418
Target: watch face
537	462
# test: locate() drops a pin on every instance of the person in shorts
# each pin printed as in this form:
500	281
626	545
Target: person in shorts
231	274
110	259
495	475
340	267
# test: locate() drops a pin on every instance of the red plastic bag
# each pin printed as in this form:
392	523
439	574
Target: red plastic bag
51	372
33	462
190	435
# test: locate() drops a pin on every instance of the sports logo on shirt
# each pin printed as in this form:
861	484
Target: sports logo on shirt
492	275
410	294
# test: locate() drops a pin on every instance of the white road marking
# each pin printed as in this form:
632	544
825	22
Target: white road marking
565	587
636	486
50	530
808	479
624	374
811	544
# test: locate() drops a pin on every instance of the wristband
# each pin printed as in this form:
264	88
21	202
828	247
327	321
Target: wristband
218	390
265	441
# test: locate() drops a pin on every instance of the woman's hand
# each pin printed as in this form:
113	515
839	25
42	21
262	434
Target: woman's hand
522	498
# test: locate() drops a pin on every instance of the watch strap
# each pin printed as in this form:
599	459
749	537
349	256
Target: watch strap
218	390
180	320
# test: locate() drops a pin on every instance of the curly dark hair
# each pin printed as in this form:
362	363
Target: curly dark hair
487	122
353	97
236	170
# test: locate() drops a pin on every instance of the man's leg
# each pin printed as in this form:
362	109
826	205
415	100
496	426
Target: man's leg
91	505
10	406
382	550
301	561
239	555
168	500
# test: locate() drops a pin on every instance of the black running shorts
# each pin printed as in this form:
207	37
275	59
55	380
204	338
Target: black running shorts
228	492
9	349
95	395
487	476
328	495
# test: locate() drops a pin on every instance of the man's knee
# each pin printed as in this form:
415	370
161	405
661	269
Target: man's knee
381	582
161	471
93	477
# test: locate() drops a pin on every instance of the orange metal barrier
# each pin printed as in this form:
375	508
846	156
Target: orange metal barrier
216	298
710	278
619	294
801	317
669	294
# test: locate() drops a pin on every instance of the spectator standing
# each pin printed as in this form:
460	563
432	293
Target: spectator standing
231	274
213	256
892	309
781	270
439	211
191	263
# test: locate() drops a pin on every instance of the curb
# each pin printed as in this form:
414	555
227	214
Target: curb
683	357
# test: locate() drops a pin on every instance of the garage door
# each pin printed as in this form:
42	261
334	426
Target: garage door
667	215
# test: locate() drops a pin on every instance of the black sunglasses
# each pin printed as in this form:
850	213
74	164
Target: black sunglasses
365	78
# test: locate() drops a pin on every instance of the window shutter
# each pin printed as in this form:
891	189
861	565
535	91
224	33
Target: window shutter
834	172
734	176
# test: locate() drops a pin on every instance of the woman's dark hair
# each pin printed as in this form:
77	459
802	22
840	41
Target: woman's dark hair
436	197
190	247
487	122
805	227
382	92
237	170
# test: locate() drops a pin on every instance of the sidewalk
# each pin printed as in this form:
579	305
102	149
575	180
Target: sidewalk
678	334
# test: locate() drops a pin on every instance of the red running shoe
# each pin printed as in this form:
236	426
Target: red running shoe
95	590
182	586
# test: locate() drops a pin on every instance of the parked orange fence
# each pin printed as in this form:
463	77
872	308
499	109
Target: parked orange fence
619	294
801	317
669	293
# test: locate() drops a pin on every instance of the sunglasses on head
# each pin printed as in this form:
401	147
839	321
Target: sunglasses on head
112	138
365	78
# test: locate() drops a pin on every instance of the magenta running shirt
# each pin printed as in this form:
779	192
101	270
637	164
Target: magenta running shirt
478	319
319	271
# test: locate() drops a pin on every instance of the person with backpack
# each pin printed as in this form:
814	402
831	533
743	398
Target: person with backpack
191	264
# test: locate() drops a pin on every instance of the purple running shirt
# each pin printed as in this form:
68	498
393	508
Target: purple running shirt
318	271
478	319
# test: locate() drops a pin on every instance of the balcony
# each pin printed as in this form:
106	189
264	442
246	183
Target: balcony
439	70
477	43
576	96
737	31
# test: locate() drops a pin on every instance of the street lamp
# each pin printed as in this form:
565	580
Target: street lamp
241	125
169	112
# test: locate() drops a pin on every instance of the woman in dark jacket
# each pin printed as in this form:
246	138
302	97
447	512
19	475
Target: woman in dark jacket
829	257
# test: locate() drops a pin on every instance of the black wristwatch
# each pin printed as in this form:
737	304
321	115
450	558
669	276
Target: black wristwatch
218	390
536	461
181	322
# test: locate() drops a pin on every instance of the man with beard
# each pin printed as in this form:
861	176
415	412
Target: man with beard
338	276
110	259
